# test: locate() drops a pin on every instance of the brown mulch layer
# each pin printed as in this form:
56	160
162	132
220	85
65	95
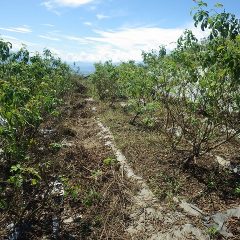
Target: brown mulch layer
204	183
68	149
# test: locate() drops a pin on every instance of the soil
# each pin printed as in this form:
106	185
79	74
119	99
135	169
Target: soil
95	192
204	183
100	202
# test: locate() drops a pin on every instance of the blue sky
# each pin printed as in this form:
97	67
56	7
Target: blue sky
98	30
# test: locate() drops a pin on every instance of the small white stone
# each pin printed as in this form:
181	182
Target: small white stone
222	161
68	220
191	209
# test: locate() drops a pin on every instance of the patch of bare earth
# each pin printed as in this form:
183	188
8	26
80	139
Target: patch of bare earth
95	192
144	195
205	184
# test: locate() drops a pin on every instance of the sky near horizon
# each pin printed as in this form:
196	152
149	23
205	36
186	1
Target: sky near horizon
99	30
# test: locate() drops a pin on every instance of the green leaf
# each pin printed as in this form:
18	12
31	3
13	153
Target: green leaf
15	168
109	161
3	204
34	181
220	48
218	5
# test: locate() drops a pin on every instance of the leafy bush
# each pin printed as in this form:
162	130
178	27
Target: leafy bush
105	81
197	84
31	86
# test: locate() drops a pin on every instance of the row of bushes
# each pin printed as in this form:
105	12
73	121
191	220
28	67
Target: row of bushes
31	87
196	86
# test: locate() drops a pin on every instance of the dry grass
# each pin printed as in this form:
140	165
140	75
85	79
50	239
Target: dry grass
97	193
149	152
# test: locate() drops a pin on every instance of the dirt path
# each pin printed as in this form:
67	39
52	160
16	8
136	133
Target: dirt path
83	195
111	201
148	219
127	207
143	215
104	195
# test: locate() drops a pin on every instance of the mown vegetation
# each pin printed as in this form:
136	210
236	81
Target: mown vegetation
195	87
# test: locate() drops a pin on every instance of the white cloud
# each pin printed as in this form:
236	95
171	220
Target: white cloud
142	37
87	23
22	29
19	43
50	4
6	37
93	8
101	16
49	37
119	45
73	3
80	40
48	25
124	44
128	43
